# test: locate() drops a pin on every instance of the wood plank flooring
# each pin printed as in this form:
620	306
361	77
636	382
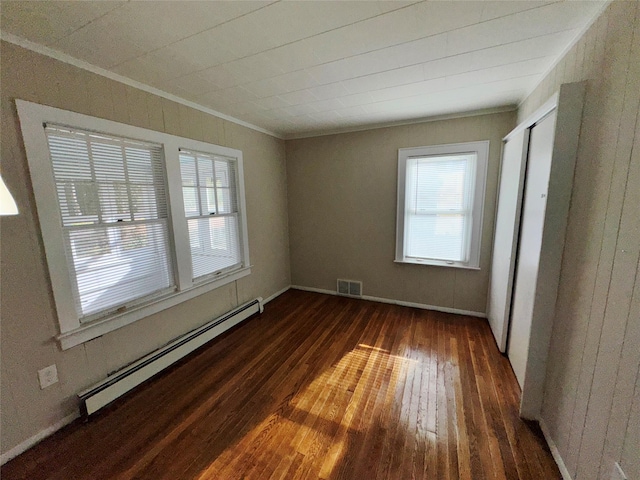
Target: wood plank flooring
317	387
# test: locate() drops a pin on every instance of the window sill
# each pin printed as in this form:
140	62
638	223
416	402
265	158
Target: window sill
98	328
437	263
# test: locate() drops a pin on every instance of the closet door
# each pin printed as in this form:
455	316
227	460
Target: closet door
530	242
554	132
505	242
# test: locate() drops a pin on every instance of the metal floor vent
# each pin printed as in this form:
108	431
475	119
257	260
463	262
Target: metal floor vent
350	288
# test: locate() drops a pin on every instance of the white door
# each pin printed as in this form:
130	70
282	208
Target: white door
530	242
505	241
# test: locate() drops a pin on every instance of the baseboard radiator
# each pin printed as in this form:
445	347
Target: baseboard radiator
124	380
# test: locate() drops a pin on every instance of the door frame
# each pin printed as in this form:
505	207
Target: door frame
568	103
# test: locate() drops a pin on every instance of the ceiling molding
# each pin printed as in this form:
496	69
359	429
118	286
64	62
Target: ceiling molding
373	126
566	50
63	57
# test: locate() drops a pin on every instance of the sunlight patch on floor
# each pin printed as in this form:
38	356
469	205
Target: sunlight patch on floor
308	425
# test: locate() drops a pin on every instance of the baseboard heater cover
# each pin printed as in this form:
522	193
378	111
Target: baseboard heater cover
124	380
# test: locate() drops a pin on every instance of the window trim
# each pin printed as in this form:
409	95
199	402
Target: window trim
481	148
32	117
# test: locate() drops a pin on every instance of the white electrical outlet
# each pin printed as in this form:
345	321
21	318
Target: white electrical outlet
617	473
48	376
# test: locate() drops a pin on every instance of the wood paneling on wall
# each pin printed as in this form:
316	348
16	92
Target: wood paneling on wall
342	212
28	316
591	404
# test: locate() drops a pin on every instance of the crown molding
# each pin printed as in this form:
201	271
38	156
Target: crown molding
374	126
63	57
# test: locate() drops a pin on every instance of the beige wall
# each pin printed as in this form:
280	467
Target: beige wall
28	322
592	395
342	212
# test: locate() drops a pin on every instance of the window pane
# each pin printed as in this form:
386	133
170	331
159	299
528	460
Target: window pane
440	184
188	170
439	207
214	244
205	172
114	202
224	173
208	200
69	156
118	264
225	201
190	198
108	162
78	202
77	194
141	169
436	237
143	202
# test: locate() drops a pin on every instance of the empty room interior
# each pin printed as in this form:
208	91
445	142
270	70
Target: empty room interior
320	239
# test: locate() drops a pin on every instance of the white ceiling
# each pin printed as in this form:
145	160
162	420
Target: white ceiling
305	67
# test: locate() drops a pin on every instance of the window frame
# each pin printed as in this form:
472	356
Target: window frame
33	117
481	149
200	216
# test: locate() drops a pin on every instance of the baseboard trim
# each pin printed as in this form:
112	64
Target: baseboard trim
314	290
554	450
37	438
275	295
422	306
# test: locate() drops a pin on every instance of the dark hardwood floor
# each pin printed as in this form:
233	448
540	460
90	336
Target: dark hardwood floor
315	387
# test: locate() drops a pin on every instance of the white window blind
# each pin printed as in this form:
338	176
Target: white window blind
210	194
111	194
439	203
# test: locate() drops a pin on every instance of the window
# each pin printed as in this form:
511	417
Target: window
211	208
113	209
440	202
133	221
